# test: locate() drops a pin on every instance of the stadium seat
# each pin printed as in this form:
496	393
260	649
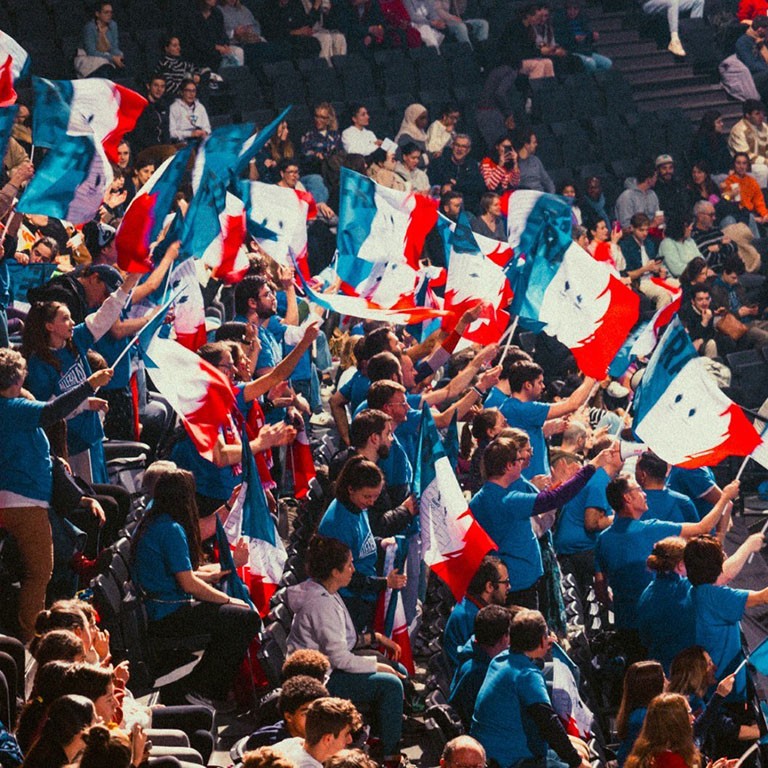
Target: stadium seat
271	658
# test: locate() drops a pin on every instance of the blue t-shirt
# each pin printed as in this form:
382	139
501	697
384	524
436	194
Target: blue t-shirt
408	432
458	629
356	390
694	483
620	555
25	458
506	517
397	467
468	680
718	612
570	534
501	722
494	399
530	417
634	726
354	529
110	348
669	506
161	553
84	431
665	617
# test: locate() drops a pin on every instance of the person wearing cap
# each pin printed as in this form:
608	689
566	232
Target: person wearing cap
81	291
674	197
750	134
672	8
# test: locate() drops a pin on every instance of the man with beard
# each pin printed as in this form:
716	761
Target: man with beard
371	435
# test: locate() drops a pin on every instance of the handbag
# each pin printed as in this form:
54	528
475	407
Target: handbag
731	326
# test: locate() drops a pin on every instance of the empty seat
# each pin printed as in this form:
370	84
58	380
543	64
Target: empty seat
358	83
323	85
398	77
434	74
549	100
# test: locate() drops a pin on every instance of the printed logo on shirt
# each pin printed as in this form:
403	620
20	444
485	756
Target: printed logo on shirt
368	547
72	377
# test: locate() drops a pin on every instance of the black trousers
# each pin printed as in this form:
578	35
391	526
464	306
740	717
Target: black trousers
231	627
525	598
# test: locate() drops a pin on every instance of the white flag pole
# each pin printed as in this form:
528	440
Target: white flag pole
510	332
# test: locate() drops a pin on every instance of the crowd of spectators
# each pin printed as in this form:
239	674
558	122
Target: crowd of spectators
539	456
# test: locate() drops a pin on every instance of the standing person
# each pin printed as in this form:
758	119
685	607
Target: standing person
26	475
56	349
346	519
165	557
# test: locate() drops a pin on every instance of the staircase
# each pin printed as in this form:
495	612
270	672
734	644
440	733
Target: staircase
659	80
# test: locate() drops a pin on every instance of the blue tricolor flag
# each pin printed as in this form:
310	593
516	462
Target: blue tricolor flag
71	181
680	412
9	48
250	519
7	116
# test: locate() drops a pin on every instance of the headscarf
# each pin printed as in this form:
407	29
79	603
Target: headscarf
408	126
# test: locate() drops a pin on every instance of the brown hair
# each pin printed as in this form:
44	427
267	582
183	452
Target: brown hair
643	681
667	554
497	455
35	340
266	757
689	672
667	727
330	715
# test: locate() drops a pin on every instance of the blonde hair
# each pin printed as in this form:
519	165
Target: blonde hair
667	727
689	672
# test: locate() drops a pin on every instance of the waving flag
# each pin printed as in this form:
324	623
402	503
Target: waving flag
198	391
71	181
301	463
250	520
681	414
219	152
144	219
82	107
10	49
189	307
380	238
277	220
253	145
7	91
226	254
476	271
647	340
202	224
232	584
539	231
390	614
452	542
576	716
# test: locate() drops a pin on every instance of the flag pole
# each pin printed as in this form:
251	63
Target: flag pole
510	332
762	530
744	757
8	218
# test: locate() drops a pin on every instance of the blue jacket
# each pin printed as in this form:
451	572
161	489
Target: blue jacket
468	679
631	250
91	36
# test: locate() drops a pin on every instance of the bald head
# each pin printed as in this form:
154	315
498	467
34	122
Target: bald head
463	752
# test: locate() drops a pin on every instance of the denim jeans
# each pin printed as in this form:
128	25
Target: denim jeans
672	8
381	689
594	62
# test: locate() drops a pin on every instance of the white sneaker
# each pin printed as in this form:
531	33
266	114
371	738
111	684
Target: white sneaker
675	47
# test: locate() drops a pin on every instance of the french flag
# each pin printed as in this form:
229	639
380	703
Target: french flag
81	107
219	152
647	340
681	414
453	543
476	271
7	116
7	90
250	520
301	463
226	255
71	181
199	392
380	239
277	221
19	58
576	716
189	306
144	219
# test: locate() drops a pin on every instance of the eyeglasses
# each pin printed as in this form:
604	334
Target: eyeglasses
501	581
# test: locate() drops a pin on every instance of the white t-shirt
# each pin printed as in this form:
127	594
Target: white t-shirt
293	749
359	141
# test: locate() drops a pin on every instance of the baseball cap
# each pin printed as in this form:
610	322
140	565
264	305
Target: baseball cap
97	236
109	275
663	160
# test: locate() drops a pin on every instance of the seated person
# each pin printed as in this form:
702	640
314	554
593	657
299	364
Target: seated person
101	44
574	31
750	135
188	118
741	187
518	48
749	50
672	8
697	318
490	638
513	718
639	197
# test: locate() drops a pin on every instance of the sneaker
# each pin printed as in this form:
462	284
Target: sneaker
222	706
675	47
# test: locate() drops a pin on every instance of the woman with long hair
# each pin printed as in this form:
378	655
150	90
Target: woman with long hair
604	244
26	468
358	486
165	554
642	681
56	352
46	688
61	739
486	425
322	622
501	173
678	247
666	738
710	143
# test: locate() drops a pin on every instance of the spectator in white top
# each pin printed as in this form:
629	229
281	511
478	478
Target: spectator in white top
188	118
358	139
